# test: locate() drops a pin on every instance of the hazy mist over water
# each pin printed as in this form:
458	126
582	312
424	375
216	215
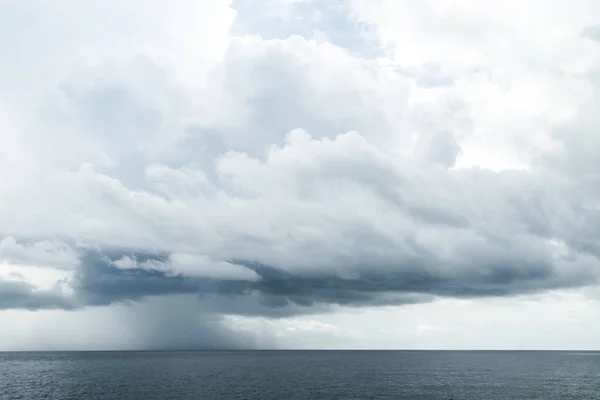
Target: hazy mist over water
468	375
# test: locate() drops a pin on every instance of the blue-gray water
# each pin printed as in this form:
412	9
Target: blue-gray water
300	375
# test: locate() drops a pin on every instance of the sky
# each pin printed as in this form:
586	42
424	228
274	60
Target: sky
294	174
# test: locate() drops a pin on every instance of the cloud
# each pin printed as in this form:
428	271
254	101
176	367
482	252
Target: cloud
15	294
291	173
326	250
52	253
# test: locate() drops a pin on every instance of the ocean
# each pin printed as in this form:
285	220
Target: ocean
278	375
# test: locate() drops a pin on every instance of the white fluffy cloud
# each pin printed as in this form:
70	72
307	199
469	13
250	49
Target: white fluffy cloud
157	152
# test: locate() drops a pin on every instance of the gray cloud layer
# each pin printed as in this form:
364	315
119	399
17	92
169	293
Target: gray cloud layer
279	175
100	279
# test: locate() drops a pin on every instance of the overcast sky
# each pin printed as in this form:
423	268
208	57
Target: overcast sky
299	174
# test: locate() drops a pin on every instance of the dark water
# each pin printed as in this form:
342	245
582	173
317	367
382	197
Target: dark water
300	375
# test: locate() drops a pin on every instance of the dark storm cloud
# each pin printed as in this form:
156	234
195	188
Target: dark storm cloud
20	294
390	285
99	280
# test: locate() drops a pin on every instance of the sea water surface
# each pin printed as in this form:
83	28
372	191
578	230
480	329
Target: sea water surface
472	375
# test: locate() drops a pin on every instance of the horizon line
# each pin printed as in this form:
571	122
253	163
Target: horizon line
299	350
